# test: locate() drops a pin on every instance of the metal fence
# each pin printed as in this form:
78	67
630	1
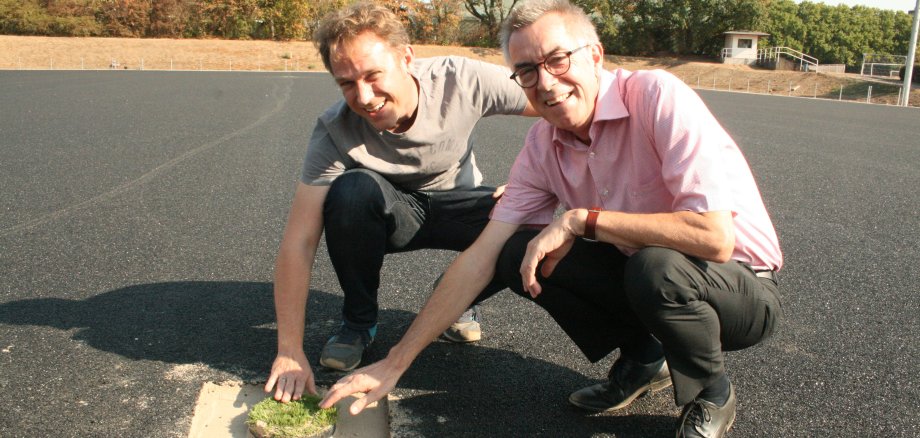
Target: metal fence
844	90
162	64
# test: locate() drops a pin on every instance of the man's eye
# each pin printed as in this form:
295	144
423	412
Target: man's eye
556	60
526	71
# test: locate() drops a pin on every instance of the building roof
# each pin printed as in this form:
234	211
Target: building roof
745	32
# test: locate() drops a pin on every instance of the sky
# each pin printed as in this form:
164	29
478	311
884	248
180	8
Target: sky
897	5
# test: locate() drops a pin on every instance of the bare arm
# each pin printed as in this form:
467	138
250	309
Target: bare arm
709	236
293	267
463	281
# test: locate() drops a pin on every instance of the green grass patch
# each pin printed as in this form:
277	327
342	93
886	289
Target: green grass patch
297	418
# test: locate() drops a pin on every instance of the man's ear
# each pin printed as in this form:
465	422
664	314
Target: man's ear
409	56
597	55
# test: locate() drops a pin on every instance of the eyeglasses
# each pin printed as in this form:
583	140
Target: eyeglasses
556	64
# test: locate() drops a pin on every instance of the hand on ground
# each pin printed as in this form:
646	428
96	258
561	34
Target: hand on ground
376	380
293	374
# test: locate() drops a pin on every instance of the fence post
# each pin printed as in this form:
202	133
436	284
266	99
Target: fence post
789	92
816	91
697	81
749	86
285	65
170	64
869	95
840	97
713	82
770	86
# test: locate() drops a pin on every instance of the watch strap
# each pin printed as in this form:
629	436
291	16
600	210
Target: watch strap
591	223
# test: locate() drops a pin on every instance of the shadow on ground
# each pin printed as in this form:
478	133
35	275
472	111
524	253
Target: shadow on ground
229	326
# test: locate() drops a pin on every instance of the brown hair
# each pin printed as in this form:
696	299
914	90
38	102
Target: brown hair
344	24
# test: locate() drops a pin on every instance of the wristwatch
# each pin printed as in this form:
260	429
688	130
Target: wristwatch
591	224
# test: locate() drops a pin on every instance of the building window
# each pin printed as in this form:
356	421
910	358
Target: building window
745	43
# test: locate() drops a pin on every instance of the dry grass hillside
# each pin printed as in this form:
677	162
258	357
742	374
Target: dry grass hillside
17	52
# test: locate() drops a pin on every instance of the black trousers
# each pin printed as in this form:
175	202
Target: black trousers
366	217
697	309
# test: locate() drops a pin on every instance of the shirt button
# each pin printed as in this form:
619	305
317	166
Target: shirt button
605	192
591	155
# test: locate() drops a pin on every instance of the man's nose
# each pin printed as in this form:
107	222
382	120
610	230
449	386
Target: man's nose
545	80
365	93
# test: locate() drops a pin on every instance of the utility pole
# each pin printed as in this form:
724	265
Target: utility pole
909	67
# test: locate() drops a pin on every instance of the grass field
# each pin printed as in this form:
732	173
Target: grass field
19	52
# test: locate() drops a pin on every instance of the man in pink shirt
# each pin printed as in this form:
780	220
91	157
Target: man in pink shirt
664	251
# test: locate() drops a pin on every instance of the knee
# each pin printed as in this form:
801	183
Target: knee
652	278
352	194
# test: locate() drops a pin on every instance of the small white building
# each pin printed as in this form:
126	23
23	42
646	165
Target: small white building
741	47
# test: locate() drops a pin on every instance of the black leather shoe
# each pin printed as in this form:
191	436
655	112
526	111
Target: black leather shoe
626	381
703	419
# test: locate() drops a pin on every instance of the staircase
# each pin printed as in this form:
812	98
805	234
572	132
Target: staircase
785	58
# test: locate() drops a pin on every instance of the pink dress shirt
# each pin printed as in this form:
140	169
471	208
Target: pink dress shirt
655	148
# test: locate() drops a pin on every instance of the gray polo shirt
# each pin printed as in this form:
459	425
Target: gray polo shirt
436	153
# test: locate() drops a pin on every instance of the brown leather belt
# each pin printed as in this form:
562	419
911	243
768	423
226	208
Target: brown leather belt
771	275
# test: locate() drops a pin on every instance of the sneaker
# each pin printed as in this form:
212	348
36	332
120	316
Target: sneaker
344	350
466	329
626	381
704	419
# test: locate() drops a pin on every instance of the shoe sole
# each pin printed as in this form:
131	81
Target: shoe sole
641	392
336	364
731	422
462	340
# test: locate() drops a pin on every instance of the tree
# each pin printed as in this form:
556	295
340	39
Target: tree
490	14
124	18
168	18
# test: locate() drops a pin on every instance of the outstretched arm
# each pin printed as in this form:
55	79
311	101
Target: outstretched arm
464	280
291	372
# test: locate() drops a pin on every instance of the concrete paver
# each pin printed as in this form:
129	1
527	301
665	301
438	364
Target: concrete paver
222	409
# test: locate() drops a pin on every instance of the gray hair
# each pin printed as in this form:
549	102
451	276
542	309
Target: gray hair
524	14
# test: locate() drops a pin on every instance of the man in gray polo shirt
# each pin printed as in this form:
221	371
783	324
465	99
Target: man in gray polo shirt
390	168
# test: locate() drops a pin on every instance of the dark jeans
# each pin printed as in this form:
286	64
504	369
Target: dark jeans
604	300
366	217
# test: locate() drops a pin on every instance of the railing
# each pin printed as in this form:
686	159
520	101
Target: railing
730	52
773	53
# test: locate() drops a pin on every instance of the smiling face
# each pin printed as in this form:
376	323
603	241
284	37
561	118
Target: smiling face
566	101
375	81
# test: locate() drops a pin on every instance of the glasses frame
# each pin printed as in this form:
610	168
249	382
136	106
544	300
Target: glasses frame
536	67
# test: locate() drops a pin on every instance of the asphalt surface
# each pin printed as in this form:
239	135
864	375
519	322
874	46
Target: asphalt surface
140	213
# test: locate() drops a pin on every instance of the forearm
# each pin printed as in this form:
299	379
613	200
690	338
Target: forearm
292	282
709	236
463	281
